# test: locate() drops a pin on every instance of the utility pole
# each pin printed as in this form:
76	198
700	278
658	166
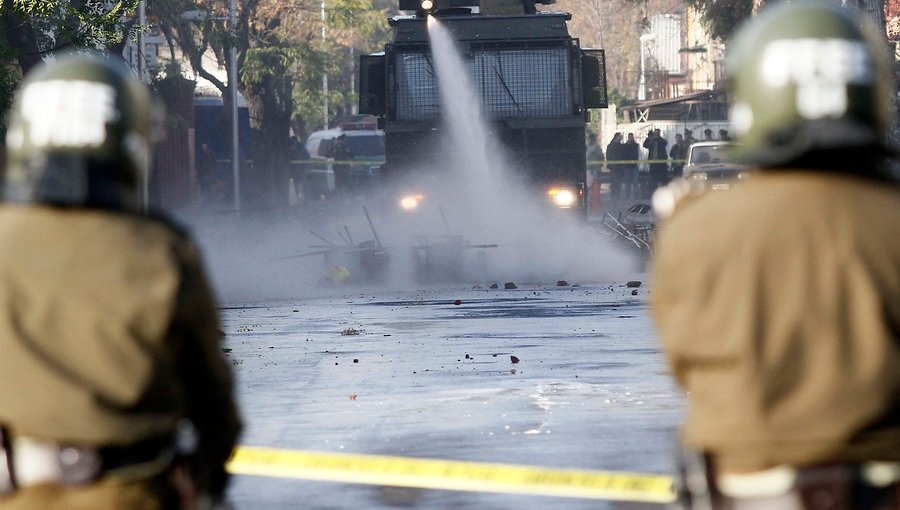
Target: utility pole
232	87
324	78
642	88
142	75
142	23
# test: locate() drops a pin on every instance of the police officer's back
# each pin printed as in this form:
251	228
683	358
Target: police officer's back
778	302
108	329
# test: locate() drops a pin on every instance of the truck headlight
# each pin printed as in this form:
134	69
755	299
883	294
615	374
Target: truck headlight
700	176
410	202
564	198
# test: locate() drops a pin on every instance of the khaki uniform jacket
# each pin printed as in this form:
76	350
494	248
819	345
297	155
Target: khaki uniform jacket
109	334
778	304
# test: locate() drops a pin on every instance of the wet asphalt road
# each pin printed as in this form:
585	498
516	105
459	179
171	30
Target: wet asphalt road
413	373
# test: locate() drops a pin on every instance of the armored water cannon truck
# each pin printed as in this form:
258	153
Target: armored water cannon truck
535	82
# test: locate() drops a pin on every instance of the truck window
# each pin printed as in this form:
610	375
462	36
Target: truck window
366	145
325	148
514	83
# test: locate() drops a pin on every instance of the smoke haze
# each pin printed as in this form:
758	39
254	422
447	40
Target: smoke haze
479	198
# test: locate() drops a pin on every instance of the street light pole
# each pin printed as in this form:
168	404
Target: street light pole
642	88
232	87
142	23
142	74
324	78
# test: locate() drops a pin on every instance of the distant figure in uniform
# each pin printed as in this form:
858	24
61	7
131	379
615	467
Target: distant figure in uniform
341	154
689	137
723	135
207	177
115	394
778	301
616	170
631	152
594	157
658	155
298	167
708	135
298	149
678	153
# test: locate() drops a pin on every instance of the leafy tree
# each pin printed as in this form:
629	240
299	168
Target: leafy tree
281	56
352	27
33	29
722	17
615	26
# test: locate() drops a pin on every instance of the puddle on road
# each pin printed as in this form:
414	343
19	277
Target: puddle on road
444	302
539	310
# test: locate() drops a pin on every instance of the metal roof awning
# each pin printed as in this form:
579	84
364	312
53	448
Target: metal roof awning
703	95
705	105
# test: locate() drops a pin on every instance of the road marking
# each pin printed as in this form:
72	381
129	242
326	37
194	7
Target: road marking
451	475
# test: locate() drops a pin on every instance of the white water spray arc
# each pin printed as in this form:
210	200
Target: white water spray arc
478	165
499	206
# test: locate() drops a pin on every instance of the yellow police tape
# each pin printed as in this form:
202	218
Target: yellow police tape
451	475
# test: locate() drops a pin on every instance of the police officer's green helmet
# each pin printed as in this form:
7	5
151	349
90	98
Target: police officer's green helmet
80	134
807	78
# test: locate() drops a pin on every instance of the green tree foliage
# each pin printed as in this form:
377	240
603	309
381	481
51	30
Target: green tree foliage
283	51
62	24
352	28
33	29
722	17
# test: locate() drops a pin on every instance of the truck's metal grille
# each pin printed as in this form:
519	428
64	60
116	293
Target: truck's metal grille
417	93
514	83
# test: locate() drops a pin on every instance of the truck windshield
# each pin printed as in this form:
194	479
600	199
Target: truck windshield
366	146
512	82
710	154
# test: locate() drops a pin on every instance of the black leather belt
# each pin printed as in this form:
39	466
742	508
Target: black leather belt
26	461
865	486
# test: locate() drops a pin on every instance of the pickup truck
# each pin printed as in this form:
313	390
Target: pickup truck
711	163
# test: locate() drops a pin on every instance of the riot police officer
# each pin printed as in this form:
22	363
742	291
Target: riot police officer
778	302
115	393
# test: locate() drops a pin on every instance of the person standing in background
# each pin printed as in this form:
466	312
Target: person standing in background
342	156
616	169
631	153
594	158
658	156
678	153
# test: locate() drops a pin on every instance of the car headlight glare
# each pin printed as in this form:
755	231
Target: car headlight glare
563	198
699	176
411	202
